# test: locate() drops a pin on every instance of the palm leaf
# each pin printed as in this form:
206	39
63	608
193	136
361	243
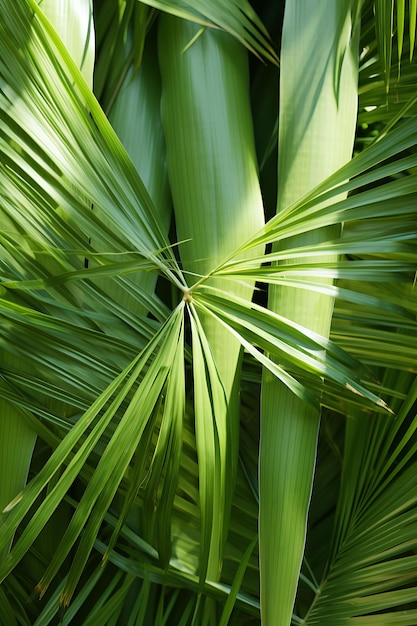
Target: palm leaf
238	18
155	515
17	434
371	568
75	128
109	471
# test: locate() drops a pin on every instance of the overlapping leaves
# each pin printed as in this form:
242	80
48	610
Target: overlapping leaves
62	167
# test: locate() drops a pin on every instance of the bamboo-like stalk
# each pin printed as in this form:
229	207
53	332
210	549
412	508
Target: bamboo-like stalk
318	108
217	205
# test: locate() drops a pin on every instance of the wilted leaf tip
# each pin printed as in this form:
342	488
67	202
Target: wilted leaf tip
378	401
13	503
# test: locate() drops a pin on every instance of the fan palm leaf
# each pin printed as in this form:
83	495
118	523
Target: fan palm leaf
16	433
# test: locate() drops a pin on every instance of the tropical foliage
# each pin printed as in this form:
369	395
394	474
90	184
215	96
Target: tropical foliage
208	315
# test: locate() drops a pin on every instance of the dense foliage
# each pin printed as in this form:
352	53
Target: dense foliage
208	318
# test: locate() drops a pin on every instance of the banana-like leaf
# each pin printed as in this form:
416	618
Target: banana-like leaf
217	205
135	116
318	106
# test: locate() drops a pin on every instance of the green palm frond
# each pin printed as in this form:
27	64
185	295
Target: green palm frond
391	21
372	568
74	24
111	468
63	125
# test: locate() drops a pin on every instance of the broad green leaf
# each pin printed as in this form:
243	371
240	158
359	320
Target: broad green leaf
135	116
217	205
220	98
318	111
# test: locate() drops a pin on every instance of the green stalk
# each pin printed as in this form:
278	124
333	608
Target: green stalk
218	206
318	108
